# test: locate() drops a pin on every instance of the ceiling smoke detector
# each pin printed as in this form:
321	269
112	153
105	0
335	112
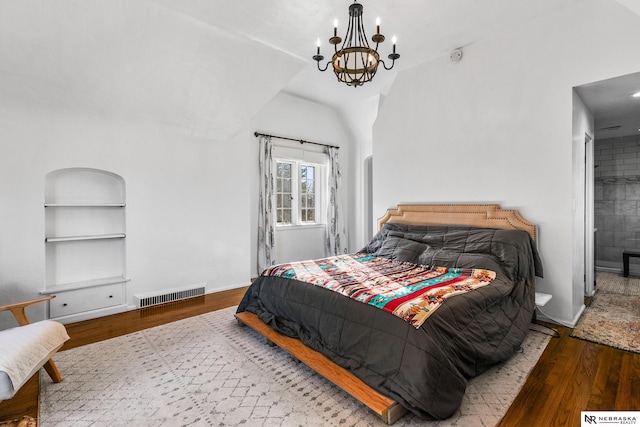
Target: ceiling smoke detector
455	55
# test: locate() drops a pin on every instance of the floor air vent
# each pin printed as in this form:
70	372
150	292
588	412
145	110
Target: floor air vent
169	295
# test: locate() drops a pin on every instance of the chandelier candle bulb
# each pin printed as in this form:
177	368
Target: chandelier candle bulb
378	25
317	57
335	28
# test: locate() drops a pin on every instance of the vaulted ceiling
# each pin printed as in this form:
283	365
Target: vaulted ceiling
206	66
426	29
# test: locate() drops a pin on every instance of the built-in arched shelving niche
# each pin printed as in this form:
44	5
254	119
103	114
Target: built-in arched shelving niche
85	252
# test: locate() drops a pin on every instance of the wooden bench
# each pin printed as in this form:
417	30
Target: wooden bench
625	261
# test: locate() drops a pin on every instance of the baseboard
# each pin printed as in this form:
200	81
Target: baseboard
86	315
609	269
578	315
227	288
571	324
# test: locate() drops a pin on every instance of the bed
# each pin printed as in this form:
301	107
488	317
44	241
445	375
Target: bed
388	356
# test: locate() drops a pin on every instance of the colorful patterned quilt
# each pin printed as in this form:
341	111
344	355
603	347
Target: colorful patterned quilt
410	291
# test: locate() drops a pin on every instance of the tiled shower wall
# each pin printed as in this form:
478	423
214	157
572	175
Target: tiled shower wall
617	199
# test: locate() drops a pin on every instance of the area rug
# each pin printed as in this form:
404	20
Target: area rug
25	421
611	319
616	283
208	371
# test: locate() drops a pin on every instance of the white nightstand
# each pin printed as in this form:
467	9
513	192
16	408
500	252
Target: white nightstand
542	299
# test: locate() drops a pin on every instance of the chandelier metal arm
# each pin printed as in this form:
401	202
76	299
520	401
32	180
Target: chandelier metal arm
393	62
325	66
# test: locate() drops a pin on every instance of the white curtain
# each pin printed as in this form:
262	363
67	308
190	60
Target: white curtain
336	240
266	216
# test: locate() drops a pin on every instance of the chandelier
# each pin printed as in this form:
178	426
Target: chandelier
356	62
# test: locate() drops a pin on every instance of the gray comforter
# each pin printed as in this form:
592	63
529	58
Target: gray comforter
424	369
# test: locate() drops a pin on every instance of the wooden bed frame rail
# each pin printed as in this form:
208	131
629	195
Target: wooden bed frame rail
387	409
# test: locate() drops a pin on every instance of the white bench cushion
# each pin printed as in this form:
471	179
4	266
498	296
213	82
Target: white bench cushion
23	351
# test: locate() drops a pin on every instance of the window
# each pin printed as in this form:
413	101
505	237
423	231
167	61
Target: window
297	195
307	193
284	192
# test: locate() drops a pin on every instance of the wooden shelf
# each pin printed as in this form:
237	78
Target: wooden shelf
79	238
62	287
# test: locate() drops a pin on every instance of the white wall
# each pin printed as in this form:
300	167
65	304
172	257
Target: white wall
183	226
140	90
358	119
497	127
293	117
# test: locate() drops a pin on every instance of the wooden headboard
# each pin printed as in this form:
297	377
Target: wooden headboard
474	215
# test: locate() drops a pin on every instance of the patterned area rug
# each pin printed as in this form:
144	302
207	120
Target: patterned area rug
208	371
612	282
611	319
25	421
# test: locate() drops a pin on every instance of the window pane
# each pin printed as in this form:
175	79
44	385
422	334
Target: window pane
307	192
283	169
284	174
284	216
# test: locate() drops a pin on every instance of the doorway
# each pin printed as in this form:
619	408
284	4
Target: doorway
613	173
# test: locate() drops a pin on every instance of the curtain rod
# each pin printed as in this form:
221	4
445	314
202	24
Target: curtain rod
301	141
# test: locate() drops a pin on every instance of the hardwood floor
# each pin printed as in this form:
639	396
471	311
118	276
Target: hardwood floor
571	376
94	330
